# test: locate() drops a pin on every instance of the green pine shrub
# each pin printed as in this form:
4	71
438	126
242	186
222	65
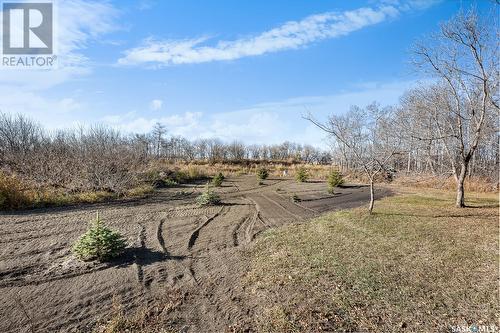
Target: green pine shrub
99	243
335	179
217	180
302	175
262	173
208	197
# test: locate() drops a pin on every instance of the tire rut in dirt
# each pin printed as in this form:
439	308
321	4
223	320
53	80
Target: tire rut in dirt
195	234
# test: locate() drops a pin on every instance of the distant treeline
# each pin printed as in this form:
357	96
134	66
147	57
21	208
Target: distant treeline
100	158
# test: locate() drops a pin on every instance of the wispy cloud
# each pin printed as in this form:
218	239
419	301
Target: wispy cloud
156	104
79	23
270	122
291	35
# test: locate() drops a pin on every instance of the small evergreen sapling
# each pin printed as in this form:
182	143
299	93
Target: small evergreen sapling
334	179
217	180
302	175
262	173
208	197
99	243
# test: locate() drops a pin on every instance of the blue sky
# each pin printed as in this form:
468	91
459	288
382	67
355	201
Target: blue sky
237	70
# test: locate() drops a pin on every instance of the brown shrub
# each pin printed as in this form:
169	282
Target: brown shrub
12	194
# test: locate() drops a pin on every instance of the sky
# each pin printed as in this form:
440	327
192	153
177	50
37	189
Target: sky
233	70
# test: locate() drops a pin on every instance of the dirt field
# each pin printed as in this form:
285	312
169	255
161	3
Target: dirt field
174	245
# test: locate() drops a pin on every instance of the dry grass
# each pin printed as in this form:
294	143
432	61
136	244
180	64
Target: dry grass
475	184
247	167
149	320
14	194
417	265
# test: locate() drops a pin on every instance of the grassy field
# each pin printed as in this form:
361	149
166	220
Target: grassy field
417	265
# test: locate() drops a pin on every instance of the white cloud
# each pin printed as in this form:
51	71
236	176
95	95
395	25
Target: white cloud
177	124
291	35
79	23
266	123
156	104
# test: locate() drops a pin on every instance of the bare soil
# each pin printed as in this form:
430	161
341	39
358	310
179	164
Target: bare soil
174	247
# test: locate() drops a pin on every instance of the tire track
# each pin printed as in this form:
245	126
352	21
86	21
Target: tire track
159	236
138	261
297	217
196	233
257	189
234	233
299	205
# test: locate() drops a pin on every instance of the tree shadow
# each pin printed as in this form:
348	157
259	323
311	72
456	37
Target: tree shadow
495	205
352	186
144	257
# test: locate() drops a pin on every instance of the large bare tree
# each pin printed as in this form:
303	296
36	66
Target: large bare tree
367	135
463	56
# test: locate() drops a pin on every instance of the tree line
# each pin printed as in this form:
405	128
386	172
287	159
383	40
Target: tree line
100	158
448	126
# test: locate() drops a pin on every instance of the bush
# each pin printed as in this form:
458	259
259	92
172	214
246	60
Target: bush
217	180
334	179
208	197
262	173
302	175
99	243
12	195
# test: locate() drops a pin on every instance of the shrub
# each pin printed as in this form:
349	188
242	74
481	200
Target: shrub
208	197
217	180
167	182
334	179
262	173
140	191
302	175
189	173
12	195
99	243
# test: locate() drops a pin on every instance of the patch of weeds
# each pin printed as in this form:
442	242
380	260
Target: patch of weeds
140	191
295	198
12	195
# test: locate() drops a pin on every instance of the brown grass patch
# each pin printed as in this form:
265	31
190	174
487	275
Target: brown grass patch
417	265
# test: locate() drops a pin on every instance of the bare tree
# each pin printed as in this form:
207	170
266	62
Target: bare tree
463	56
367	134
158	133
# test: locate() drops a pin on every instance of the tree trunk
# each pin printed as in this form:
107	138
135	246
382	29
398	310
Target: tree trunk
372	197
408	165
460	185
